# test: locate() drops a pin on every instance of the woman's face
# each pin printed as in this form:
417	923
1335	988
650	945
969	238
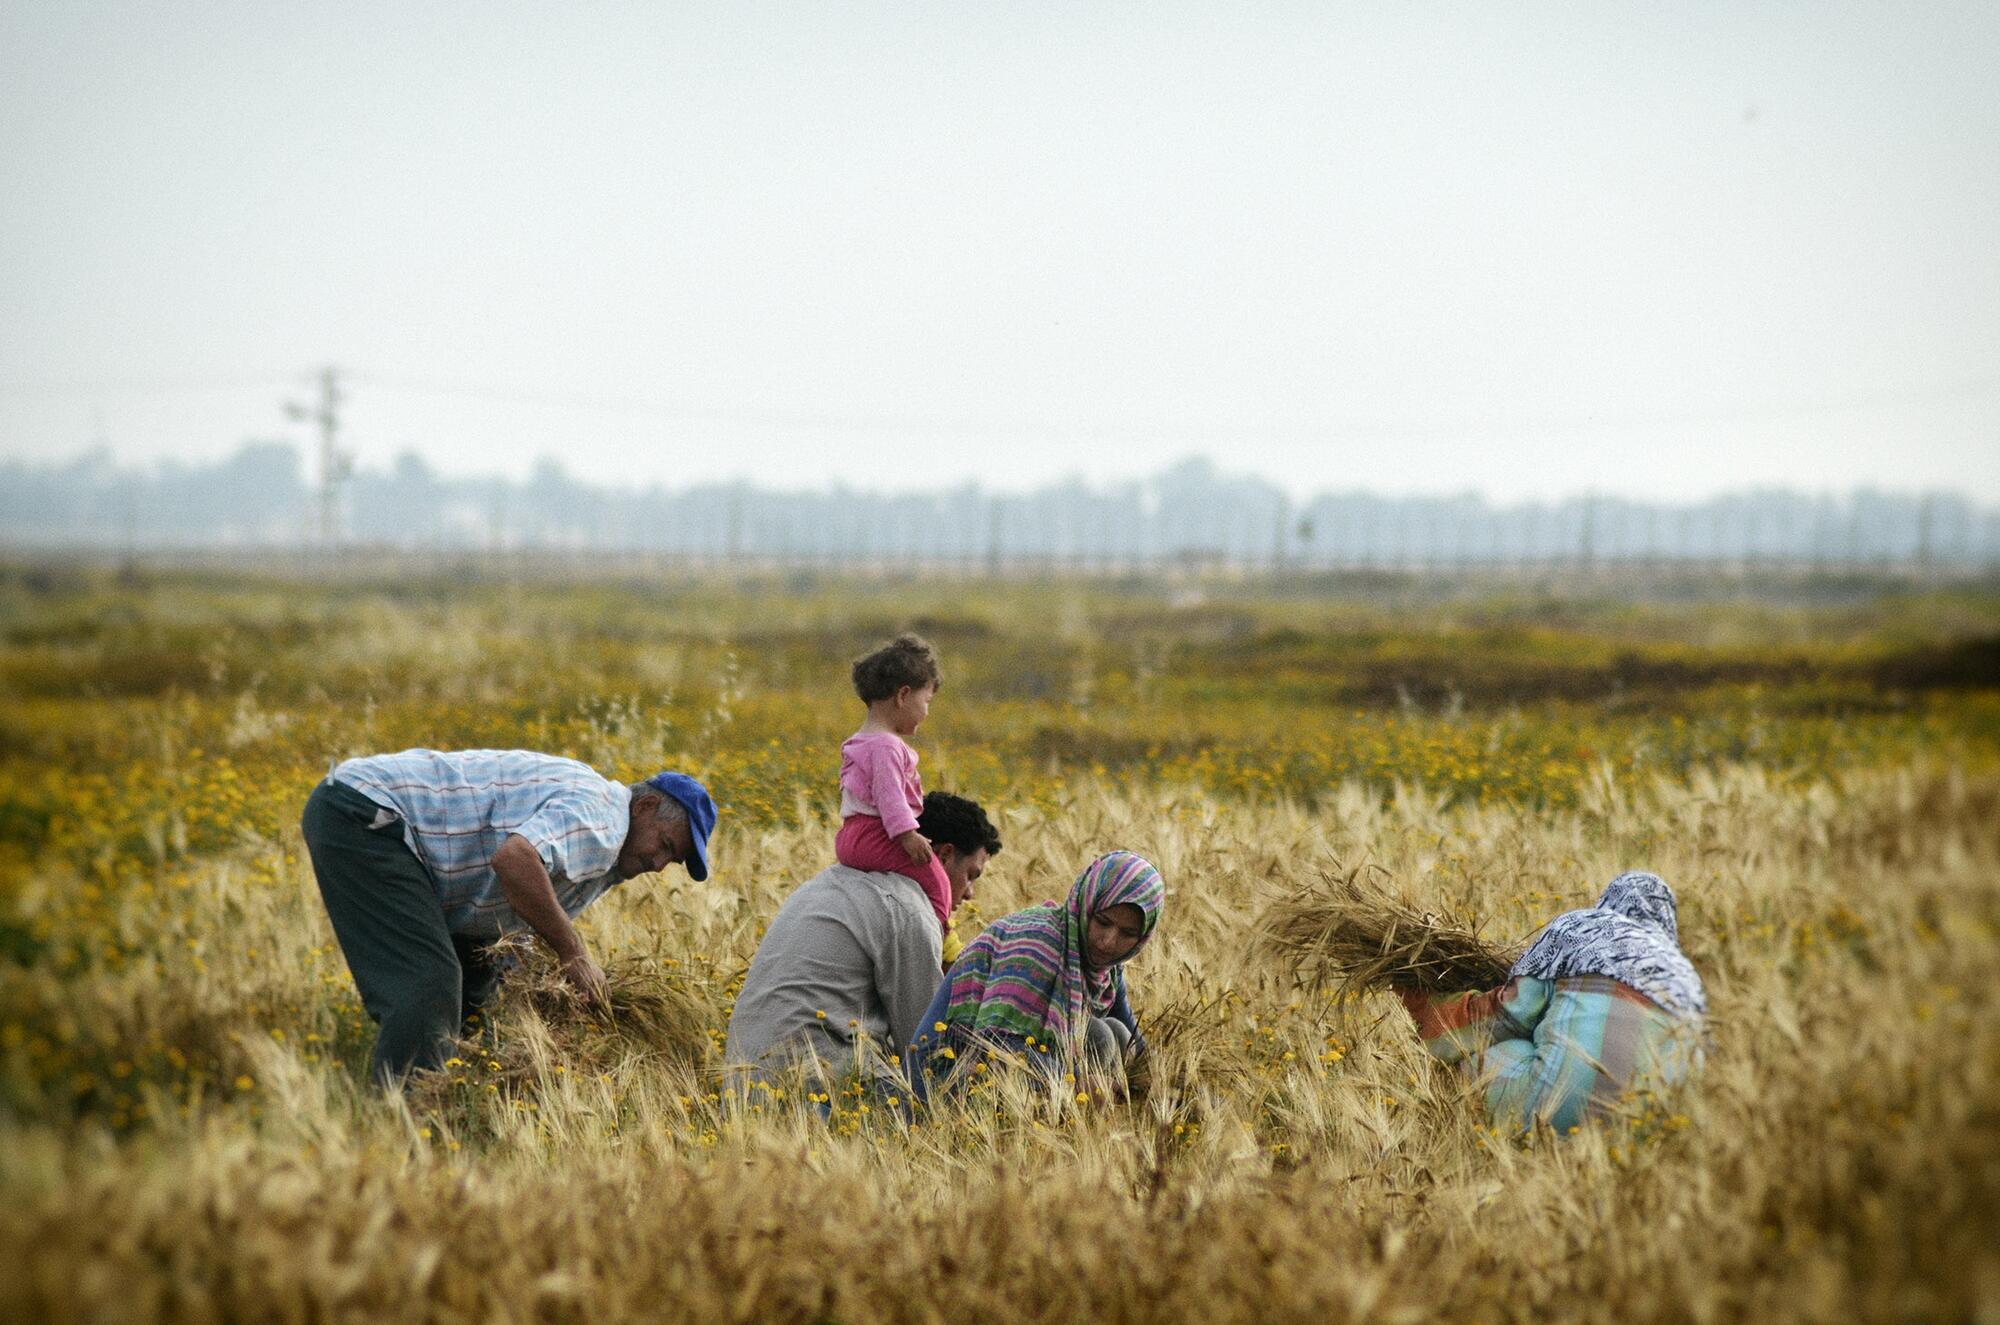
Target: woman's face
1113	933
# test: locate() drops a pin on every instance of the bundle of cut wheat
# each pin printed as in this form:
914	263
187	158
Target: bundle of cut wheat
1350	931
650	1010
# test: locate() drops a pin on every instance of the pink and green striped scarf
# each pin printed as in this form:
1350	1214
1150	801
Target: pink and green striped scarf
1027	974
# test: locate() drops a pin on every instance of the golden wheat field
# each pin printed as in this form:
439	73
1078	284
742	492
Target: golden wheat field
184	1134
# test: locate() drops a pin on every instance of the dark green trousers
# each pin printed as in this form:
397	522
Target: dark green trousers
418	981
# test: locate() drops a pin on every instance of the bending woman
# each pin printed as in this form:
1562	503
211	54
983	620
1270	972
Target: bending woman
1602	1004
1048	982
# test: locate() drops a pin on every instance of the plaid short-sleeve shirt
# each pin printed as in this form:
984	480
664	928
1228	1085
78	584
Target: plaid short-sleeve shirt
456	809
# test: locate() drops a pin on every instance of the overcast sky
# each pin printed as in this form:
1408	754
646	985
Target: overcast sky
1661	249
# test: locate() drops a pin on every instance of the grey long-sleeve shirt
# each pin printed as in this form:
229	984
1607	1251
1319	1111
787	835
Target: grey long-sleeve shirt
861	948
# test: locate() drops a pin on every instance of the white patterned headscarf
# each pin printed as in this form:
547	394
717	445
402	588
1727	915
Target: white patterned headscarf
1630	935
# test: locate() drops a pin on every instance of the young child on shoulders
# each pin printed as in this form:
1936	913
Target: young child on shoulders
880	792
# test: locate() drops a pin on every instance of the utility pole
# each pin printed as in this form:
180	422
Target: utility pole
128	501
1926	519
993	536
334	464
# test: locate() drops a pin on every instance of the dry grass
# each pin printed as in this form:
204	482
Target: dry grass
1348	930
652	1018
1296	1159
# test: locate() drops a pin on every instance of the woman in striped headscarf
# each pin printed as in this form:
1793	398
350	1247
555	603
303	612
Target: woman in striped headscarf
1048	982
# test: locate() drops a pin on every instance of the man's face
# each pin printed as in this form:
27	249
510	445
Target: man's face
963	868
651	845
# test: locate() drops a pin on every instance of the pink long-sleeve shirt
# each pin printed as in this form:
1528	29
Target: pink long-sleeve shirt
878	776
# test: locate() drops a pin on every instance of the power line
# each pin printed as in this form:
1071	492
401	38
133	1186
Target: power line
144	386
659	408
662	410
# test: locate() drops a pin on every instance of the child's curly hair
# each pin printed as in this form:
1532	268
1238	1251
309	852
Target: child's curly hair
907	660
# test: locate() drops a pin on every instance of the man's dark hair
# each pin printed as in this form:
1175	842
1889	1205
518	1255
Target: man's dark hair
954	819
907	660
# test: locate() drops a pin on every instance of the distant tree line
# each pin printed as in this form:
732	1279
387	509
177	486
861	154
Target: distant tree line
261	497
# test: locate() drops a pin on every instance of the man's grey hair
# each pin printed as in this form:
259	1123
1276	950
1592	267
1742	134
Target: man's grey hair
671	811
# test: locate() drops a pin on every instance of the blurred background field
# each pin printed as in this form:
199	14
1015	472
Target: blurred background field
1814	763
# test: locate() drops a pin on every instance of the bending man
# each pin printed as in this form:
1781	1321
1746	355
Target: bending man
425	858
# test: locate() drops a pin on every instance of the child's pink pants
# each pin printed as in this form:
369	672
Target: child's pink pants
864	844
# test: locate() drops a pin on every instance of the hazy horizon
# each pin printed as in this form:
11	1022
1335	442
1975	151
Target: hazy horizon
1188	513
1652	253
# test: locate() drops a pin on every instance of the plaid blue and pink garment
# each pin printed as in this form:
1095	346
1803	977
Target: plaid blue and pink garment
457	808
1557	1051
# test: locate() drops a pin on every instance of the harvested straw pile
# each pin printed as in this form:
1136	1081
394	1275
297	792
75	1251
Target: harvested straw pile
653	1012
1348	930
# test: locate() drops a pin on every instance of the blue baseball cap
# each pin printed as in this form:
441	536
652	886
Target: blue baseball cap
700	807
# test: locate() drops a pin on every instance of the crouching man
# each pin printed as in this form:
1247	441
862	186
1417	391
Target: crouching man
424	858
851	959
